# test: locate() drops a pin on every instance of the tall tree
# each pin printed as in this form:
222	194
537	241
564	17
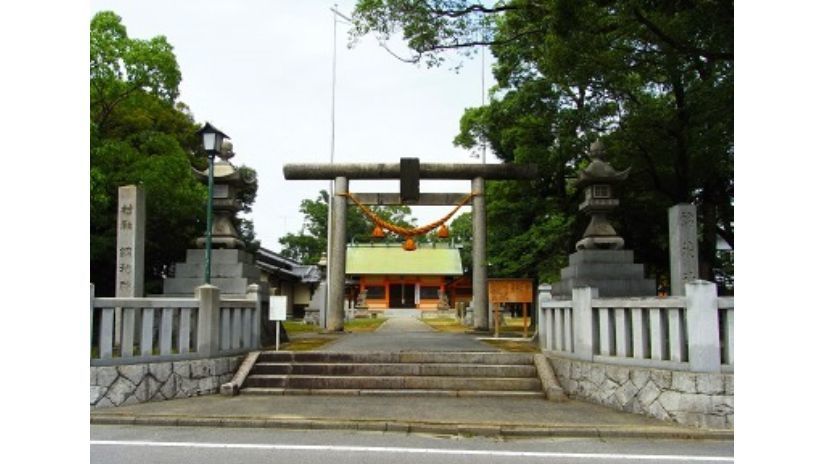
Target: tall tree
654	80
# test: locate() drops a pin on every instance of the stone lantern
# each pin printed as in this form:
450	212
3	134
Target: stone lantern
600	260
598	181
231	268
228	184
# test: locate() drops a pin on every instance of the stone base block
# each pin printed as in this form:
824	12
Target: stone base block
186	286
218	270
604	271
232	272
613	272
601	256
608	288
220	255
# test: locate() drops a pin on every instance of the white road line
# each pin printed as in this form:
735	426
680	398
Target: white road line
381	449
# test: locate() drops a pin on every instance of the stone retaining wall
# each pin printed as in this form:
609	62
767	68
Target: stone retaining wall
138	383
697	399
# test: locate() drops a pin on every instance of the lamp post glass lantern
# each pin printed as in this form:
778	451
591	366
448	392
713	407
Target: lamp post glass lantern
212	142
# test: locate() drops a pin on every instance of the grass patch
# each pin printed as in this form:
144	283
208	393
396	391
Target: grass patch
513	346
514	326
364	324
300	327
355	325
310	343
304	344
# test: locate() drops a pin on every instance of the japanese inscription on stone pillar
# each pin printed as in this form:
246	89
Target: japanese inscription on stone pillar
684	261
131	222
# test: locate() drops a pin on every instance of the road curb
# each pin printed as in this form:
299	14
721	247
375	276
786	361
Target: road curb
436	428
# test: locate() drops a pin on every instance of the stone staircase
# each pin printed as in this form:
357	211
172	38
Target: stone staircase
406	373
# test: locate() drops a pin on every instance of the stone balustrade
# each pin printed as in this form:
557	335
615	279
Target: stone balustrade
172	329
670	358
689	333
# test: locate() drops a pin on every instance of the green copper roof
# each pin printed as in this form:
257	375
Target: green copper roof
394	260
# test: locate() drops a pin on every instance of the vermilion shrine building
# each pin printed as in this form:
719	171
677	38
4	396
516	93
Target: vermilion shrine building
395	278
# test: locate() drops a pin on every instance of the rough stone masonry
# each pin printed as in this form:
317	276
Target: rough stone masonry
139	383
697	399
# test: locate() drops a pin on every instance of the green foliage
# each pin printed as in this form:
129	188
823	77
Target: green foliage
307	245
654	80
427	26
121	66
141	135
461	233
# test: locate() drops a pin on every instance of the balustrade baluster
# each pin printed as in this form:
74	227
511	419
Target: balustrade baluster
147	331
166	331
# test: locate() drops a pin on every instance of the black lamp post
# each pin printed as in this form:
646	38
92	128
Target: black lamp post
212	143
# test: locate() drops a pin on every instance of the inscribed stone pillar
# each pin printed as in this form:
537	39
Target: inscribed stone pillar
684	260
337	260
480	306
131	227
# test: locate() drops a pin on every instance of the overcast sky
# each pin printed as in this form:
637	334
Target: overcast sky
261	71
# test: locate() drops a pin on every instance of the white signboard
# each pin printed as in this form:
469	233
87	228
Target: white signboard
277	308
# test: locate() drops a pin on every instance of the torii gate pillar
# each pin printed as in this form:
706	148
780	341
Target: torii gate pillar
480	305
337	262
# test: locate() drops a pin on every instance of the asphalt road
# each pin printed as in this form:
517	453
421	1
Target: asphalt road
201	445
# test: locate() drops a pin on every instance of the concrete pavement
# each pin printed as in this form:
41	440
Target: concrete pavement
406	334
468	416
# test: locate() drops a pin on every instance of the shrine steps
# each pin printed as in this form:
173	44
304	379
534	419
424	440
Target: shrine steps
438	374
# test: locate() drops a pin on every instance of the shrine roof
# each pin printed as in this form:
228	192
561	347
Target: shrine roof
394	260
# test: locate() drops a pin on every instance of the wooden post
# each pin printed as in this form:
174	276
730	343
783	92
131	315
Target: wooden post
524	318
495	319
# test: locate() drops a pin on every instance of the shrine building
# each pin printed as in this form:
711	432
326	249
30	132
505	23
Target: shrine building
396	278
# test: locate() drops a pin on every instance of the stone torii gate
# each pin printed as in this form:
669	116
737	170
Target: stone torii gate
409	171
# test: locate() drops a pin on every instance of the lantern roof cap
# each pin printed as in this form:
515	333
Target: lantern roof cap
600	171
224	172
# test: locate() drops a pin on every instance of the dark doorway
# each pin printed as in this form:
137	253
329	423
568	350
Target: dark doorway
402	295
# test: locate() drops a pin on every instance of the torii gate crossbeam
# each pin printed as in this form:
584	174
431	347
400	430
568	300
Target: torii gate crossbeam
342	173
